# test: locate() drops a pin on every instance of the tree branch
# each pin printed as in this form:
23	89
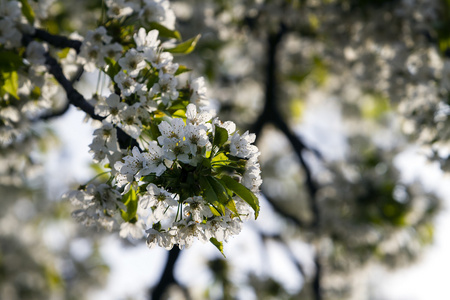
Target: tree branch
58	41
167	278
271	114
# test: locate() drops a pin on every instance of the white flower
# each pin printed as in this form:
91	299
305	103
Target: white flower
104	142
172	132
228	125
241	145
97	36
252	175
198	92
127	84
157	159
98	205
114	106
161	60
133	62
196	137
187	231
134	166
91	56
120	8
153	11
35	53
112	51
216	228
147	43
156	200
170	68
11	10
168	87
130	123
197	118
158	11
163	239
133	230
197	209
10	36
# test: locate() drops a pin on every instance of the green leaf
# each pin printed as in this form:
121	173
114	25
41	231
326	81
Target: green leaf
243	192
182	69
27	11
113	67
179	114
210	196
185	47
10	61
63	53
219	189
220	136
130	201
165	32
11	83
219	245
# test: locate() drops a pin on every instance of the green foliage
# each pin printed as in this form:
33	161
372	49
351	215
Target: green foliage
243	192
220	137
9	83
218	245
112	67
185	47
10	62
27	11
211	196
182	69
166	32
130	201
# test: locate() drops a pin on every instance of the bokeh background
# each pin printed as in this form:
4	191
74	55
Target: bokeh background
349	101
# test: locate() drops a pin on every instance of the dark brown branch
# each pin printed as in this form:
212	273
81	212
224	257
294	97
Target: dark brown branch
167	278
271	114
58	41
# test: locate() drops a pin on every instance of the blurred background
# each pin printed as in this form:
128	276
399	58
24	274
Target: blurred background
349	101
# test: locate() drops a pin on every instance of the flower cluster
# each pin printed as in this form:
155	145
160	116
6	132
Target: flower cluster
188	175
187	181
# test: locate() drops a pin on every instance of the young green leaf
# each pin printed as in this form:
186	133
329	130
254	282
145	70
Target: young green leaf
112	67
219	245
182	69
166	32
63	53
219	189
10	61
210	195
130	201
243	192
11	83
185	47
220	136
27	11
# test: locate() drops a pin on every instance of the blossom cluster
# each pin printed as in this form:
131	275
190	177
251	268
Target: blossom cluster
189	175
